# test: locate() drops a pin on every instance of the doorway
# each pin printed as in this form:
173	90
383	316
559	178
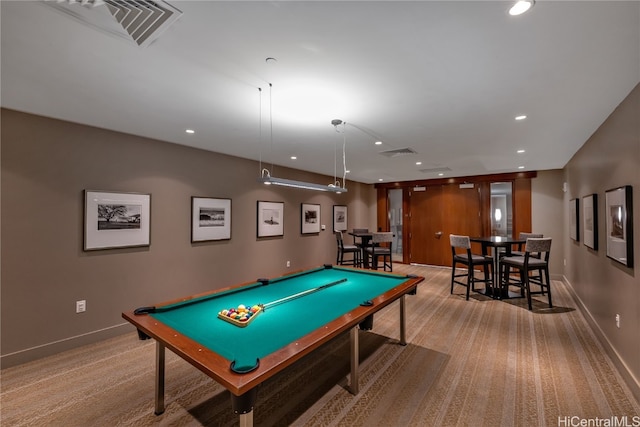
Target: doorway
395	222
426	226
501	212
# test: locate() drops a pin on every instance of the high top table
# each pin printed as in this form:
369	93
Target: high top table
365	237
497	242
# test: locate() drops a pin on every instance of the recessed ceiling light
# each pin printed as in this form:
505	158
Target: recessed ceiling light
190	131
378	142
418	163
440	174
380	179
520	151
521	117
520	167
521	7
293	157
347	171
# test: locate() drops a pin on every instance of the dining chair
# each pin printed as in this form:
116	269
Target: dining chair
536	260
461	254
380	245
356	252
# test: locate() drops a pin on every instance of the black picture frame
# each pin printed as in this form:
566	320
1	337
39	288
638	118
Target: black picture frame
270	219
590	221
619	224
210	219
309	218
340	218
574	219
116	220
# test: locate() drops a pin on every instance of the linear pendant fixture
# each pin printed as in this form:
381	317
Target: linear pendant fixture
268	180
265	174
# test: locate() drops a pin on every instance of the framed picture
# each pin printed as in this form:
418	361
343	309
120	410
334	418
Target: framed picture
619	227
210	219
590	221
574	226
339	218
116	220
310	218
270	219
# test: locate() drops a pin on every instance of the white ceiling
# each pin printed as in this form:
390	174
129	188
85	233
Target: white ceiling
445	79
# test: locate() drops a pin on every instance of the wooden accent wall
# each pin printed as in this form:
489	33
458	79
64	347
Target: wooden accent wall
382	209
457	208
522	206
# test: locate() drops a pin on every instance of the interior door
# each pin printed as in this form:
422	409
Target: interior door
436	212
425	234
462	210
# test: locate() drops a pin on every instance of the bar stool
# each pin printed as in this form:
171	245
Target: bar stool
356	259
535	259
380	245
461	254
524	236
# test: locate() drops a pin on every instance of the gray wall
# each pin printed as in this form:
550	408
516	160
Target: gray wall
547	208
46	165
604	288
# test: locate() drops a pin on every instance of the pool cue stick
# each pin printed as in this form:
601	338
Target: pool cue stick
300	294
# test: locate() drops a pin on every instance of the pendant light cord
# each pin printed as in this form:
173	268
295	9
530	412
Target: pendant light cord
260	129
335	161
271	123
344	156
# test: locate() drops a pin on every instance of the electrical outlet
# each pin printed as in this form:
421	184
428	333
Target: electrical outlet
81	306
617	320
288	263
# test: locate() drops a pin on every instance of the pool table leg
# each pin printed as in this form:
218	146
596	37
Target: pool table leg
355	361
246	420
243	406
159	378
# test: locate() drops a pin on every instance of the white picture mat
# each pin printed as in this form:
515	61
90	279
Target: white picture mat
310	218
573	225
105	239
270	219
616	224
218	227
590	224
339	218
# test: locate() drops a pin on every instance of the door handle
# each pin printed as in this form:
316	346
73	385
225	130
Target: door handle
438	234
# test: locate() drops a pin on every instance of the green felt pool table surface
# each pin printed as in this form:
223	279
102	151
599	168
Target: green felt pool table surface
280	334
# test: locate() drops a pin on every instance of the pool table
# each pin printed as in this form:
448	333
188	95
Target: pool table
298	313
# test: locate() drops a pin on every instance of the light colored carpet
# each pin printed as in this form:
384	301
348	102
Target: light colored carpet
467	363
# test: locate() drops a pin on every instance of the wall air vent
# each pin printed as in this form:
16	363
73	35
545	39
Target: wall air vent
139	20
398	152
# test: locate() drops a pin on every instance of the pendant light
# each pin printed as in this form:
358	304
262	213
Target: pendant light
266	174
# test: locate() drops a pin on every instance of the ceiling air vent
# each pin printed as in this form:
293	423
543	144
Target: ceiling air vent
436	170
398	152
140	20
